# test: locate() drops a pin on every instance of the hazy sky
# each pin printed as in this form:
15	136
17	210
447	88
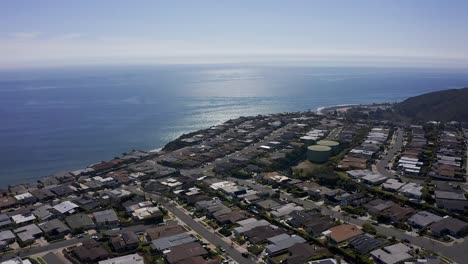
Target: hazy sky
414	33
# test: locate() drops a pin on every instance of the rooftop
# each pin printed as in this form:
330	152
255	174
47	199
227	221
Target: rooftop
105	216
423	219
344	232
128	259
281	242
392	254
171	241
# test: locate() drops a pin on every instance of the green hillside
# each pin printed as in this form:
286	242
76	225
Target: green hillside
447	105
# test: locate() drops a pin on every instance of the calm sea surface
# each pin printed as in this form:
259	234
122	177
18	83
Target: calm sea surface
59	120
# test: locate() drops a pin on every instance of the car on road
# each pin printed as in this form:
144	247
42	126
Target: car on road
95	237
222	249
79	236
245	254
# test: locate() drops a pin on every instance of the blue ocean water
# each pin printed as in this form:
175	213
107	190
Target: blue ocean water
62	119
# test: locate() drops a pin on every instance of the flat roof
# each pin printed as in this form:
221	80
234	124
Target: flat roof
319	148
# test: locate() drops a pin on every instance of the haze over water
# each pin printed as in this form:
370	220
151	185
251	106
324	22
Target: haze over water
60	120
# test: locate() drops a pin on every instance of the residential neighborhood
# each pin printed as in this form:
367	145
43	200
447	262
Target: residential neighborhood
292	188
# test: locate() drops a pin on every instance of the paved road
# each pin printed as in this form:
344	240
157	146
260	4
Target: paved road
24	252
382	164
456	252
203	231
207	234
197	227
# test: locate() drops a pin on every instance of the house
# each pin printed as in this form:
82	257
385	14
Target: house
261	233
4	220
127	259
273	177
79	221
316	226
87	204
126	241
65	208
20	219
374	179
297	219
25	198
43	194
28	234
90	252
347	199
286	209
392	185
231	217
54	228
449	226
249	224
411	190
364	243
164	243
146	212
7	236
457	206
164	231
61	190
422	219
389	210
44	212
268	204
7	202
392	254
52	258
450	198
398	214
299	253
17	260
342	233
280	243
106	218
185	251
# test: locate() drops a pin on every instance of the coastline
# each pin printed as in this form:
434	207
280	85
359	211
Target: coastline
319	111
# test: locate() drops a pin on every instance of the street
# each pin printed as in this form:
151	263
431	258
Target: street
455	252
381	166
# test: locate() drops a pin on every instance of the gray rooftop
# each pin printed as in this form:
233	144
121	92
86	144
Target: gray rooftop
171	241
54	225
4	220
392	254
28	232
128	259
450	195
105	216
282	242
43	212
423	219
6	235
249	224
79	220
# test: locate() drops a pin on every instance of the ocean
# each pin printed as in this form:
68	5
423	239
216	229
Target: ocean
55	120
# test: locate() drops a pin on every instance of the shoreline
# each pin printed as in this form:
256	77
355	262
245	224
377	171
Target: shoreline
322	110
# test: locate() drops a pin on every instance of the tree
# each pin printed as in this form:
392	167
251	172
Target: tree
368	228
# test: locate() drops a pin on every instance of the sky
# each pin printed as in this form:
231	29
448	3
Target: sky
47	33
